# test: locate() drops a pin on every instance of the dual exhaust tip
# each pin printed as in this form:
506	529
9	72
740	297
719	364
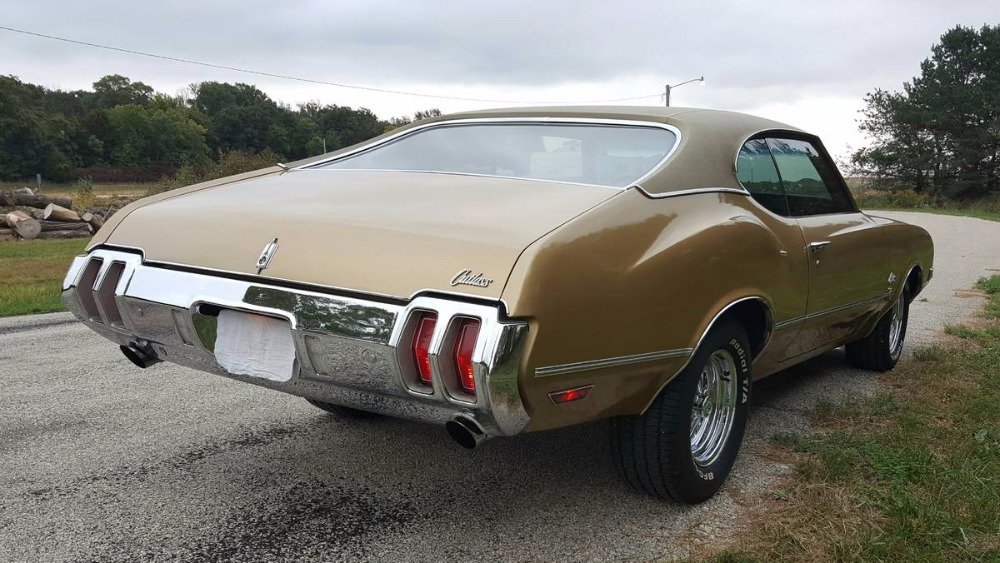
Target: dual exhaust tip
463	428
140	353
466	431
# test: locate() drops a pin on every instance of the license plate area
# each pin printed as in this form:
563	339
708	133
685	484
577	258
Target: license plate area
254	345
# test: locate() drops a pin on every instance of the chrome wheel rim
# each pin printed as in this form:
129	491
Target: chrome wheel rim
896	328
714	408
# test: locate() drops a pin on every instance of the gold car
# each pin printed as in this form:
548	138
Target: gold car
510	271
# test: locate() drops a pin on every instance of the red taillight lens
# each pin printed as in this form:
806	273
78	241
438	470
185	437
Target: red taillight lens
570	395
465	345
422	346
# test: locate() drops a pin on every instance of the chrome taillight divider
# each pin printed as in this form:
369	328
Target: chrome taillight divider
450	314
101	279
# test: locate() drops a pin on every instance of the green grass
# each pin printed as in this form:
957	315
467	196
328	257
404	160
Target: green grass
912	474
31	273
960	212
908	200
71	189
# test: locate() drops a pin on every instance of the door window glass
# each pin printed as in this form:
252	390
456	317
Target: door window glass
812	186
756	171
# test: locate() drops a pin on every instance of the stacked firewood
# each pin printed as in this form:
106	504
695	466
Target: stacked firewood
36	216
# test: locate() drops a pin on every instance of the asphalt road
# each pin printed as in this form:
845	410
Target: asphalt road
100	461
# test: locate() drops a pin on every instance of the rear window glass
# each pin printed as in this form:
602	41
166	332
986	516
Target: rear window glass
606	155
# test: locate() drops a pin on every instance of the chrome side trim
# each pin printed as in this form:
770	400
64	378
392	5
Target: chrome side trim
832	310
514	120
693	191
611	362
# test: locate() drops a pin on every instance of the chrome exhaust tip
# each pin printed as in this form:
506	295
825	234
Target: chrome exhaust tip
140	353
466	431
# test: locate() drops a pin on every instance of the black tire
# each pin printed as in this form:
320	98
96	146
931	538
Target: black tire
653	453
877	352
346	412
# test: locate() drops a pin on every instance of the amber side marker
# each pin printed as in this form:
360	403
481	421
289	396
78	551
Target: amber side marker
570	395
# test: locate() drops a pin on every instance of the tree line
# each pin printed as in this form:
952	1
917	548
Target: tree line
124	130
940	135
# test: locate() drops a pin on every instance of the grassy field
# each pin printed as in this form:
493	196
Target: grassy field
72	189
31	273
907	200
912	474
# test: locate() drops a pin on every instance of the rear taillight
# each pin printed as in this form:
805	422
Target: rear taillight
465	345
422	346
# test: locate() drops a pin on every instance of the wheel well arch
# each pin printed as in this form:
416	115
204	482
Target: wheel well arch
754	314
914	282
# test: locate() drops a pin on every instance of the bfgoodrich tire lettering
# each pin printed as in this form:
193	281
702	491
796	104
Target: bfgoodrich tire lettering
665	451
346	412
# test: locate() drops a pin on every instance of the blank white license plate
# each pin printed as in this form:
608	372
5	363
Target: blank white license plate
254	345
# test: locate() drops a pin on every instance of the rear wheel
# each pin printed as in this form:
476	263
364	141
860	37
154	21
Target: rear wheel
346	412
685	444
880	350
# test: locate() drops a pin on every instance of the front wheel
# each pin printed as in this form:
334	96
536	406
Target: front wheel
686	442
880	350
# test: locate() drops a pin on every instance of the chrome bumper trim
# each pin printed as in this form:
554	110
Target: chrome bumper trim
612	362
347	349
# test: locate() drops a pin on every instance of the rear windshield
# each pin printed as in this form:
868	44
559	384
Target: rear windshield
605	155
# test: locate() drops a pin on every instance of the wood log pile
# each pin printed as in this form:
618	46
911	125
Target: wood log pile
26	215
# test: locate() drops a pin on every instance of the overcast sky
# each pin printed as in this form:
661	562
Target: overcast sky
805	62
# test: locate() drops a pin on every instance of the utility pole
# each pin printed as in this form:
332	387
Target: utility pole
666	94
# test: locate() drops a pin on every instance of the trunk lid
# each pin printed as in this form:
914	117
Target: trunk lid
387	233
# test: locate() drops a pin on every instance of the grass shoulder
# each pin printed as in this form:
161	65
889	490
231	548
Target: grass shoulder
907	200
912	474
31	273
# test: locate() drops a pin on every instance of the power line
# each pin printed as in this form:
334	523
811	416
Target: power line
301	79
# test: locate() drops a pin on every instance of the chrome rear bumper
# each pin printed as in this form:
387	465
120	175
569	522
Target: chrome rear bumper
347	349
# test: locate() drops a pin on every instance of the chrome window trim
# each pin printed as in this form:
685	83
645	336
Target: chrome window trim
692	191
618	361
513	121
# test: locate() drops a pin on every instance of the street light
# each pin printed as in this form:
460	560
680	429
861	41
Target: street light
700	80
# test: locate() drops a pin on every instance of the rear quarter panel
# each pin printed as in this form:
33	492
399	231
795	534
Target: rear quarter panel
639	275
907	246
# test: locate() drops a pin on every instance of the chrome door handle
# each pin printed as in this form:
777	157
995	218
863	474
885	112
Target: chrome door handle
817	246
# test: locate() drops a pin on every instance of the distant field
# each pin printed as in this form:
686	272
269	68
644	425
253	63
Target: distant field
71	189
31	273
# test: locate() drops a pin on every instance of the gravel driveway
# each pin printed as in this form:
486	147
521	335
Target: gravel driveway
100	461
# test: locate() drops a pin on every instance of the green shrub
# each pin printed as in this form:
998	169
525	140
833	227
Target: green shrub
229	164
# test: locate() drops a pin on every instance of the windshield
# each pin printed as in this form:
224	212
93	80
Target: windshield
606	155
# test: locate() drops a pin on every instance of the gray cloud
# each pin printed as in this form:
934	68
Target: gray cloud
753	53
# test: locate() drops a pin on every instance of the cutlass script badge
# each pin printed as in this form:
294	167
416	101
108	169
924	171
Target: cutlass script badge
466	277
266	255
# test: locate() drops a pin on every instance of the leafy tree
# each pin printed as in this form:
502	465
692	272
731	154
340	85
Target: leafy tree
941	134
117	90
124	128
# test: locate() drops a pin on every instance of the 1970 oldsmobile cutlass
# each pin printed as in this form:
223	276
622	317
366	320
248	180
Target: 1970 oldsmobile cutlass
518	270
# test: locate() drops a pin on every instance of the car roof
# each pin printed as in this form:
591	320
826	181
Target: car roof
705	156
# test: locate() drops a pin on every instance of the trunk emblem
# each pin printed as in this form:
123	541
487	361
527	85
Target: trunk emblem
266	255
466	277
